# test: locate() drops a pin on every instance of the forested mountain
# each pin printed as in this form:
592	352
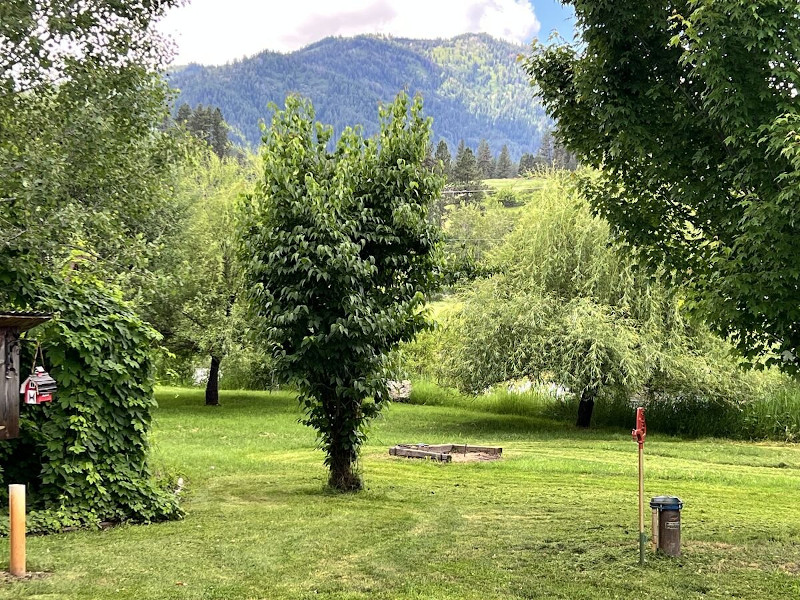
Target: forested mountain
472	86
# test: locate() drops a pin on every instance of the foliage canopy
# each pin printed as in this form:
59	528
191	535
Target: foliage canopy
690	111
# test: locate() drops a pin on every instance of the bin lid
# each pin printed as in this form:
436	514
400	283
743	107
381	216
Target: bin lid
666	503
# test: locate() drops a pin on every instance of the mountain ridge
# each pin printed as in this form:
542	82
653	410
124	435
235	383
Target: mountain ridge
471	84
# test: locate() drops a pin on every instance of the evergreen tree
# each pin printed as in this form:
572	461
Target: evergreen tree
206	123
485	159
184	114
505	166
466	168
544	156
527	162
688	113
466	177
460	150
552	153
444	158
219	134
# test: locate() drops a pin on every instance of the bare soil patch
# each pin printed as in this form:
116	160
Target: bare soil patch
6	577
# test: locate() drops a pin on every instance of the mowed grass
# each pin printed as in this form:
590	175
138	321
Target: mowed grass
518	185
556	518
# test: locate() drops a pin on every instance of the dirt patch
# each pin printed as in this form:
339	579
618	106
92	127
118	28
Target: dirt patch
447	452
474	457
791	568
6	577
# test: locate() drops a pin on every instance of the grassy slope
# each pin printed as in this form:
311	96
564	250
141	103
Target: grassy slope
520	185
556	518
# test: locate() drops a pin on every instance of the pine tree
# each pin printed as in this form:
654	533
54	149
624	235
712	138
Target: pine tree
527	162
485	159
544	155
444	158
466	177
184	113
219	134
207	124
505	166
466	168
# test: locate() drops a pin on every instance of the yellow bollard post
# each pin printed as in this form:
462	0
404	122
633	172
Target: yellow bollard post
16	509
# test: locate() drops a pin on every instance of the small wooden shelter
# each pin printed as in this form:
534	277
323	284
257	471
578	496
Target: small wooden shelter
12	324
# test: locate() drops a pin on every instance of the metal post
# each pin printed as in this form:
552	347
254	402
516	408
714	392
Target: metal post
642	534
639	435
16	509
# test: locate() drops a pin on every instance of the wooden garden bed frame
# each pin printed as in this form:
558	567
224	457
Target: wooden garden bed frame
445	452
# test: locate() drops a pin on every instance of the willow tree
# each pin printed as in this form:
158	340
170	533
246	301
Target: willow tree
690	111
339	257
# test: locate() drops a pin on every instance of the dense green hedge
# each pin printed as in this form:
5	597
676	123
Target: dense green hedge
84	457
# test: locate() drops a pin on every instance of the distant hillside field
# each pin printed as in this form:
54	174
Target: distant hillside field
472	85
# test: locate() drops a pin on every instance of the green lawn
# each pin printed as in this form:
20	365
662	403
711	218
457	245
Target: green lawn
556	518
519	185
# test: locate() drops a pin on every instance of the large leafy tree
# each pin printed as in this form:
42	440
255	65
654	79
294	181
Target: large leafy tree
340	256
85	170
689	109
563	306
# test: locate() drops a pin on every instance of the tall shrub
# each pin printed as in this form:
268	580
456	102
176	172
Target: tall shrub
340	256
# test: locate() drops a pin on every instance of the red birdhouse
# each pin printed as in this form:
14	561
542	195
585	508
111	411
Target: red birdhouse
38	388
12	324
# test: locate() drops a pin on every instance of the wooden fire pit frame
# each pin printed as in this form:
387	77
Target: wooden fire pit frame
443	452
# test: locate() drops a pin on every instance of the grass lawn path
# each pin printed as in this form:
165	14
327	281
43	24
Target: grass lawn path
556	518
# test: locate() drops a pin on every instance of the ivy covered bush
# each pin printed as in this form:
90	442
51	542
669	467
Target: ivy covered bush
84	457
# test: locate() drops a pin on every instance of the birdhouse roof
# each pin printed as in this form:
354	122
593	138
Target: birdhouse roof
22	321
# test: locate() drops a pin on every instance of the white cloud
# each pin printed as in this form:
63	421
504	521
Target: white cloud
217	31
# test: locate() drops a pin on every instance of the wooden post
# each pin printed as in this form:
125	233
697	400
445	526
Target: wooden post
16	508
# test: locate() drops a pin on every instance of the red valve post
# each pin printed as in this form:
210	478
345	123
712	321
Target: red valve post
640	432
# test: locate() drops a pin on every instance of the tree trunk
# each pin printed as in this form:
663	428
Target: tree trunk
585	408
343	477
212	386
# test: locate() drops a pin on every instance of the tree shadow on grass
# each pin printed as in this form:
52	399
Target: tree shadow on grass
238	402
447	424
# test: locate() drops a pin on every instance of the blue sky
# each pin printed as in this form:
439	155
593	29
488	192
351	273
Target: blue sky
218	31
553	15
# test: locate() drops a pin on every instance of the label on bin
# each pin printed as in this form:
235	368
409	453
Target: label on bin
672	525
